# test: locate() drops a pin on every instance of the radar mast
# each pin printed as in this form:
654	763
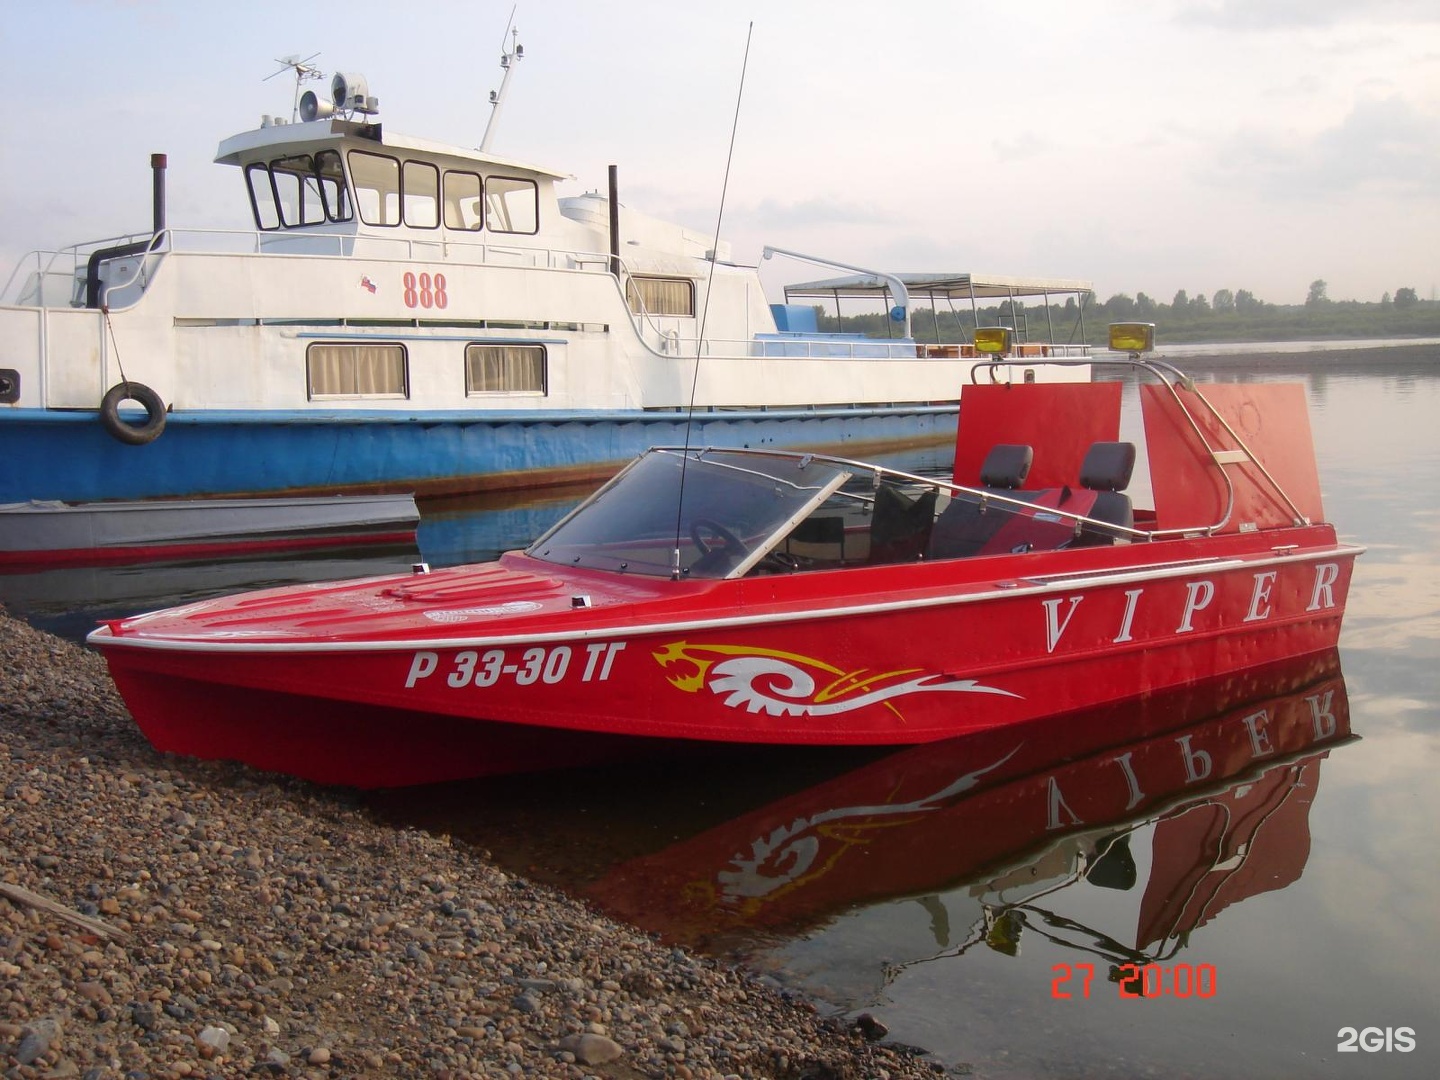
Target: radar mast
508	60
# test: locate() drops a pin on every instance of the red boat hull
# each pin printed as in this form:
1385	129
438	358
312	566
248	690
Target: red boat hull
912	654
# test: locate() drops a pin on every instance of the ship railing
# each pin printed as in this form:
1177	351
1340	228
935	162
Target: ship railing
835	348
444	248
47	278
50	276
668	341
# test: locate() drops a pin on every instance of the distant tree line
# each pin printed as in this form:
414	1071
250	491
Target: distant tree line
1224	316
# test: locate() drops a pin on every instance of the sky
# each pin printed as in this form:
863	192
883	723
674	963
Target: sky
1143	146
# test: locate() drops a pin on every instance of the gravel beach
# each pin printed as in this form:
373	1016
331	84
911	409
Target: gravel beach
163	918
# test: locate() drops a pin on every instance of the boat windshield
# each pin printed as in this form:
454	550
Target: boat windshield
735	507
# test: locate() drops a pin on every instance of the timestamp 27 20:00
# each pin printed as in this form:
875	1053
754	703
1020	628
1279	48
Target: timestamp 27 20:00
1137	980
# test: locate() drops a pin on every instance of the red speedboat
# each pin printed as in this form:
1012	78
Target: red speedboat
749	596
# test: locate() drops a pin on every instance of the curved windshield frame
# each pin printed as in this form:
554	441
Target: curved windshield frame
735	507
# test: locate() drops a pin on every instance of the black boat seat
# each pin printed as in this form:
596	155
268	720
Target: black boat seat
1106	471
966	525
1006	466
900	525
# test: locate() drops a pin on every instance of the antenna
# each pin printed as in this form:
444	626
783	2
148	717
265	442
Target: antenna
508	60
705	311
303	70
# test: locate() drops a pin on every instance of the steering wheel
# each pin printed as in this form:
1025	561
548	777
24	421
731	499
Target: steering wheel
733	543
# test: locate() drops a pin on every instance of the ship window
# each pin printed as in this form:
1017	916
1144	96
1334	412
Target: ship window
332	185
422	195
356	371
504	369
377	187
511	206
299	190
262	196
661	296
462	201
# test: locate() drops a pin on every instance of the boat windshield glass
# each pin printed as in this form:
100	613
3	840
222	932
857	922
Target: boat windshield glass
735	507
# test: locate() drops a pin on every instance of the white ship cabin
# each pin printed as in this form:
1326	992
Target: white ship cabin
341	187
410	275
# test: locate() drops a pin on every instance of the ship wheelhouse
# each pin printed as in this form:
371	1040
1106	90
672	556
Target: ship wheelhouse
341	177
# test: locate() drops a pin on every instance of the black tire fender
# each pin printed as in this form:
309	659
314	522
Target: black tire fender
133	434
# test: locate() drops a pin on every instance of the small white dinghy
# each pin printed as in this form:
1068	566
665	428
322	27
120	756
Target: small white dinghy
41	534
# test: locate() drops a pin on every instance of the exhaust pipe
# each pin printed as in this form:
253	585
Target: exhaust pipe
614	221
157	167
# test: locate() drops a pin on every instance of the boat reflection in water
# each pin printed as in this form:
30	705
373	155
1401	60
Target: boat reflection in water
989	832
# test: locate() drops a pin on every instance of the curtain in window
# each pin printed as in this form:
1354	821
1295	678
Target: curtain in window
661	296
493	369
357	371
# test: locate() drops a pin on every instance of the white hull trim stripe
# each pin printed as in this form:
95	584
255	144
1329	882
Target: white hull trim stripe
1000	591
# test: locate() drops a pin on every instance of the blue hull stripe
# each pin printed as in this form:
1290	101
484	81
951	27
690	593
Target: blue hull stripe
69	455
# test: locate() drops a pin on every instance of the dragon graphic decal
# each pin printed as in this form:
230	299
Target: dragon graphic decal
808	847
788	684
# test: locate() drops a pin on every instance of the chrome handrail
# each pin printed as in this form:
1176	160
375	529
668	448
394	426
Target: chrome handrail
877	471
1172	377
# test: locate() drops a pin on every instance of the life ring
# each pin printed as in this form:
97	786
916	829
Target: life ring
134	434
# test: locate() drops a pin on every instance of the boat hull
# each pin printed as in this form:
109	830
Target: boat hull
912	654
68	456
41	535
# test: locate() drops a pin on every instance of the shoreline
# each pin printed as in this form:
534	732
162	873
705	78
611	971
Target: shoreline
210	920
1291	351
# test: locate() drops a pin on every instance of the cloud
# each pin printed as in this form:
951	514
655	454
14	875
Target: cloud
1290	14
1382	145
817	211
1025	146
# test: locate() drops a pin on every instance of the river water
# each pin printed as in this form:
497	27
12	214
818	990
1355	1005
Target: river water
1253	923
1221	904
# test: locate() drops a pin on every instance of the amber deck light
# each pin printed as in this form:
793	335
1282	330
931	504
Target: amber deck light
992	340
1132	337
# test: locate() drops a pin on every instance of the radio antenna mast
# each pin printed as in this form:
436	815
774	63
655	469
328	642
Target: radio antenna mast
508	60
303	70
705	310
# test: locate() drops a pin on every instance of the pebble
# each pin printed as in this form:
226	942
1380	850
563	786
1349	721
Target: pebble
268	927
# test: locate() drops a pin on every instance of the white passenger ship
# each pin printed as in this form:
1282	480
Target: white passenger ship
408	316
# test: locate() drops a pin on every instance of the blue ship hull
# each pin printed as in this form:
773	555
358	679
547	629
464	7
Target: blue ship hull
69	456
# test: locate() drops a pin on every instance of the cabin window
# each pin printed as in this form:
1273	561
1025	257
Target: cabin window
421	185
298	191
462	201
504	369
263	199
512	206
357	371
298	187
661	295
331	178
377	187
